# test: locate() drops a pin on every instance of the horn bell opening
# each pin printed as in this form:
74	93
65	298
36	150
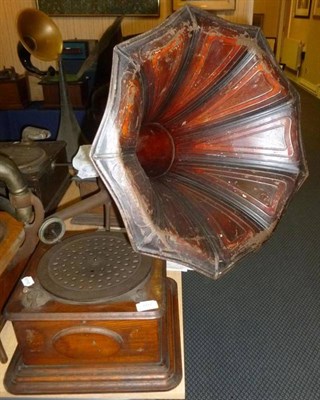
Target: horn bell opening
200	142
39	34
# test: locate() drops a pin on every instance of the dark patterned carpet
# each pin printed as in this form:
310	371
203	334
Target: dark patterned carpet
255	334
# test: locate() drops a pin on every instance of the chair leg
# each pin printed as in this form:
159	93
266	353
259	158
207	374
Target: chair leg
3	354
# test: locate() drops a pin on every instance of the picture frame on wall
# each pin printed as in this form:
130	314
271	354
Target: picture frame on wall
316	9
257	20
220	5
302	9
136	8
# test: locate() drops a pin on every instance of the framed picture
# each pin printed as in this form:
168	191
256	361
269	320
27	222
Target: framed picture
302	9
316	9
149	8
257	20
206	4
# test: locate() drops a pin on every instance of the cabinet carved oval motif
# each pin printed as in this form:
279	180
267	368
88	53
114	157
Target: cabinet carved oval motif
87	343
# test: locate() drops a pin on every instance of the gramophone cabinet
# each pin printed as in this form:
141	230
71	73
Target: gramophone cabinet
77	336
78	94
14	93
44	166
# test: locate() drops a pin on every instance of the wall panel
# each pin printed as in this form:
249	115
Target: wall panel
88	28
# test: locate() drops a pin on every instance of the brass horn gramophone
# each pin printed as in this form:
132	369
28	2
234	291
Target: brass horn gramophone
41	37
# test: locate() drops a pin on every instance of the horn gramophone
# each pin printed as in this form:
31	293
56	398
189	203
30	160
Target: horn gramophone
40	37
200	149
44	163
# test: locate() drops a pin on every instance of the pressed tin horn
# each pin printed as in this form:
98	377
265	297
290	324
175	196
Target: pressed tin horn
200	141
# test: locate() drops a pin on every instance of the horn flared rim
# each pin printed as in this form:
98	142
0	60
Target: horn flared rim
39	34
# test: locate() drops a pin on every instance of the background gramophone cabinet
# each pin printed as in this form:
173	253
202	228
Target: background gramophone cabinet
44	166
14	90
78	93
74	54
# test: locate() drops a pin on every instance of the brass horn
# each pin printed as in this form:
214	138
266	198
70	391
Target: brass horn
41	37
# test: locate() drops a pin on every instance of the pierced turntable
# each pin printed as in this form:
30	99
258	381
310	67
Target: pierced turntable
79	323
94	267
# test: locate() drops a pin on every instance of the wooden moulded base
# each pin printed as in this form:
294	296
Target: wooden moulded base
109	347
164	374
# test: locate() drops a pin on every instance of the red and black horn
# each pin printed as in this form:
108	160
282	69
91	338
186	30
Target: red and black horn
200	141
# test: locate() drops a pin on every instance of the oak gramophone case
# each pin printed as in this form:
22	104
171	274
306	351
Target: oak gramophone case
79	327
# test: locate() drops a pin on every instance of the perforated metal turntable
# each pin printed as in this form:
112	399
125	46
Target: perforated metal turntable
94	267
